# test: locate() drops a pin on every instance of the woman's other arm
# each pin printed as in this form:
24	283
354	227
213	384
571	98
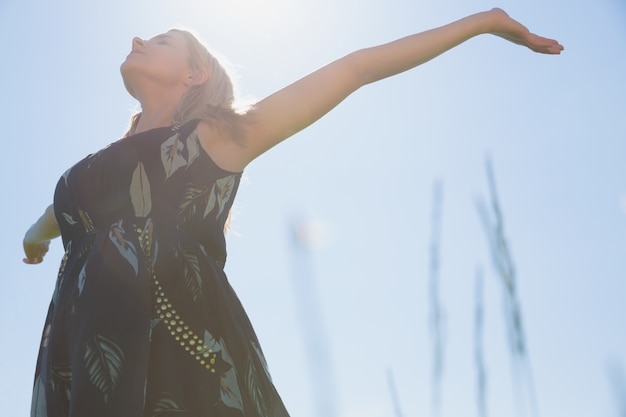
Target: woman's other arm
38	236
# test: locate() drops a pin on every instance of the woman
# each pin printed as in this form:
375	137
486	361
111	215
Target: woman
143	321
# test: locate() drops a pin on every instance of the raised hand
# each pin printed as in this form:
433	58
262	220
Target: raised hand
511	30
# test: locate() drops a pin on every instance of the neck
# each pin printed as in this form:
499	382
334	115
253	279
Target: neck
157	110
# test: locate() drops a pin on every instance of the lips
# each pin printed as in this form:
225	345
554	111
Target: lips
133	53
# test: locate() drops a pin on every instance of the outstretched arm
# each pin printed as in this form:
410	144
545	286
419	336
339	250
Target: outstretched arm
38	236
296	106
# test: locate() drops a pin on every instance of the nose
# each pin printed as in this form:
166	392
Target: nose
138	43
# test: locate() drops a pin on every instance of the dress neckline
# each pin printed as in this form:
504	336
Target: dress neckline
177	127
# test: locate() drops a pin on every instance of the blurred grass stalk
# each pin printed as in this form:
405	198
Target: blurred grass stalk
437	314
502	260
395	399
617	379
309	312
481	373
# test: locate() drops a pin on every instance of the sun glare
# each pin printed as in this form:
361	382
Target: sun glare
258	15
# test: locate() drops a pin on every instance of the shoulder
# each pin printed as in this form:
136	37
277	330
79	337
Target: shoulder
221	148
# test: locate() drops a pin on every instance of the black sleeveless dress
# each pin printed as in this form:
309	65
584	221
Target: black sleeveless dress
143	321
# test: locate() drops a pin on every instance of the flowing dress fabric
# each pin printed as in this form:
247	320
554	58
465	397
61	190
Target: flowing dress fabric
143	321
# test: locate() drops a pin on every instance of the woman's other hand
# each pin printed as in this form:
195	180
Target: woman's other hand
34	250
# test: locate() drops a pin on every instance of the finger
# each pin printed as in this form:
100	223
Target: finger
552	49
556	49
32	261
545	45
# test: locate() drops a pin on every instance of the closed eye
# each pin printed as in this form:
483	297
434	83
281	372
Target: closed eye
162	39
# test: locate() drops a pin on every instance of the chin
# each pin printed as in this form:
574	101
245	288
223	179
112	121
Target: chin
126	72
125	67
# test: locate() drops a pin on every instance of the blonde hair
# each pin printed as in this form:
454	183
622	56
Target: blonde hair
212	101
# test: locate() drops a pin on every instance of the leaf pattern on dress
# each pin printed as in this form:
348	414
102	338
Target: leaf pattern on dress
167	404
104	361
81	280
124	246
224	189
257	349
46	335
153	324
146	240
66	174
254	388
61	379
172	155
194	196
140	196
69	219
230	393
85	246
93	158
87	223
68	251
210	204
38	405
193	147
191	271
61	274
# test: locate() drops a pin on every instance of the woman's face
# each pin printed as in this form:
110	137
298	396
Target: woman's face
162	60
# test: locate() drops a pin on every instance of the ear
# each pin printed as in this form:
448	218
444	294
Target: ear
198	77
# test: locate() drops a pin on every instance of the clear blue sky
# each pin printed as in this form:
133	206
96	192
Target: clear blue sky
554	127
